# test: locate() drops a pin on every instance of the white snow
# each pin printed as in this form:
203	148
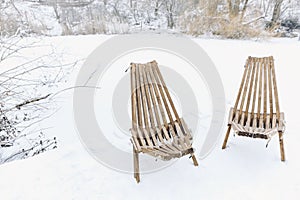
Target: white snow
245	170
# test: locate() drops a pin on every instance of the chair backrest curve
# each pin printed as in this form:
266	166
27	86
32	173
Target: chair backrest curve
152	106
258	90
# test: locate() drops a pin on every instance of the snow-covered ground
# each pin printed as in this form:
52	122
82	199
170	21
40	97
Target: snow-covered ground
245	170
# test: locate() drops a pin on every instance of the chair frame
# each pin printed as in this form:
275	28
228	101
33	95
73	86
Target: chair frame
157	129
259	74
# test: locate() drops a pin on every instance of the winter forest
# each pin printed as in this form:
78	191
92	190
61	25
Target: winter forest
223	18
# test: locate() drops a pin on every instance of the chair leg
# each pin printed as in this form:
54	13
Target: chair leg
281	147
194	160
136	165
226	137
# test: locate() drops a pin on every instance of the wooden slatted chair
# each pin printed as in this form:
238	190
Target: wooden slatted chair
157	129
258	91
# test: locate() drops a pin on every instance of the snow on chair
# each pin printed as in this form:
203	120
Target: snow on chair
253	114
157	129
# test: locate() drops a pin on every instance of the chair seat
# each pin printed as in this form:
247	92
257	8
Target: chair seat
162	143
254	125
169	152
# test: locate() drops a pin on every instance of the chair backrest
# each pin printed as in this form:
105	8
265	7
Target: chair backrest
153	111
258	90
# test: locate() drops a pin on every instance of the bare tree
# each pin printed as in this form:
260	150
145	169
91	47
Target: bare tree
276	13
244	9
158	4
170	12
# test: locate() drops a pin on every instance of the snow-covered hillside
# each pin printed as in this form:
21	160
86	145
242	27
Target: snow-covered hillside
245	170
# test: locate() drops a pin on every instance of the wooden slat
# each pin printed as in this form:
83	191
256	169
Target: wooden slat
250	88
139	98
146	131
136	139
255	89
141	136
171	147
148	99
166	133
248	121
176	139
140	132
143	97
153	136
159	134
236	116
270	87
275	89
139	108
168	151
281	122
230	116
186	129
265	89
246	87
160	153
136	165
242	121
241	86
268	122
274	121
260	89
185	141
151	139
254	122
261	121
133	96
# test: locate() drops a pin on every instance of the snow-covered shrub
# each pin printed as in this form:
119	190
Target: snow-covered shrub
199	22
291	23
26	85
234	29
8	26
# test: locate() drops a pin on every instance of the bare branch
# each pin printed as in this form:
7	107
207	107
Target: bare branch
31	101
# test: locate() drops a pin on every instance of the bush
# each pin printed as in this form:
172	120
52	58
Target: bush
291	23
218	25
236	30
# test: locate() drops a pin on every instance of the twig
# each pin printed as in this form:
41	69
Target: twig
254	20
31	101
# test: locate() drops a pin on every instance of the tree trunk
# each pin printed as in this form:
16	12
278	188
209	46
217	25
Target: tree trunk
234	8
156	8
244	10
170	13
276	12
170	20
